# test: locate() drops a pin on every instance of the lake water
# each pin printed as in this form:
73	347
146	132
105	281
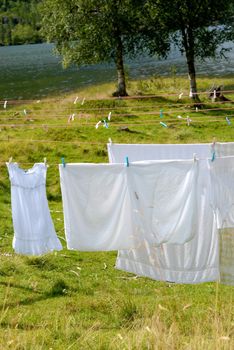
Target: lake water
33	71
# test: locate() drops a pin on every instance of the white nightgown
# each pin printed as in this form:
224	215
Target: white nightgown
34	232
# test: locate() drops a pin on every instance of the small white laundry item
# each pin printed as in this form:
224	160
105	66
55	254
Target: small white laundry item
97	207
34	232
222	190
165	198
197	260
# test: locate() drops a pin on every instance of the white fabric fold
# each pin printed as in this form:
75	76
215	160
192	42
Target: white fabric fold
197	260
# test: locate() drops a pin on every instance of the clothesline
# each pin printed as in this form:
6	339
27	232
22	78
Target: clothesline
184	94
120	124
36	116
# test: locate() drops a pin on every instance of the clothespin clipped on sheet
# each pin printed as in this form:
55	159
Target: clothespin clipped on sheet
76	99
126	162
194	157
5	105
161	113
163	124
228	121
45	162
109	116
10	160
110	141
213	150
63	162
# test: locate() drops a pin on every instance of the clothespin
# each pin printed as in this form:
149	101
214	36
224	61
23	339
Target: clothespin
213	149
63	162
179	117
228	121
191	94
109	116
126	162
215	94
161	113
76	100
196	109
38	101
105	124
194	157
188	120
10	160
110	141
71	118
163	124
5	105
83	101
180	95
98	123
25	112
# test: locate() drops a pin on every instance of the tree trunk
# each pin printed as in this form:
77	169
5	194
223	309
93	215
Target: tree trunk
188	43
121	85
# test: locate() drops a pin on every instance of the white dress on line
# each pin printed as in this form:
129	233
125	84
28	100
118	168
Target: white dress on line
34	232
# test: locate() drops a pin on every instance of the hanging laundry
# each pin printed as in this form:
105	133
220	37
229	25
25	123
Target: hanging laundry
222	194
34	232
193	262
165	199
97	207
109	207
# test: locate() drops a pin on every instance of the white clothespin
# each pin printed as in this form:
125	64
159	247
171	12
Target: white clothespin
10	160
83	101
188	120
191	94
163	124
215	94
38	101
25	112
194	157
45	162
98	124
71	118
196	109
180	95
76	99
179	117
110	141
5	105
109	116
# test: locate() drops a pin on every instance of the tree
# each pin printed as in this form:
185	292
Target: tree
94	31
197	27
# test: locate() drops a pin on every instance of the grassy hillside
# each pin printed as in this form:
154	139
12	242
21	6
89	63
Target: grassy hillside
77	300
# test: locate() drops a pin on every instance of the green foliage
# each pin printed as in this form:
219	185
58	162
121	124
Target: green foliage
19	22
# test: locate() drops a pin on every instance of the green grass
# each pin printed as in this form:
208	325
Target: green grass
78	300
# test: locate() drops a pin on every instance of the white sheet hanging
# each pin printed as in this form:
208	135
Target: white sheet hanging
97	207
34	232
164	196
111	207
195	261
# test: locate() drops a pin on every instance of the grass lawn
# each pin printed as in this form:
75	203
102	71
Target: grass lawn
78	300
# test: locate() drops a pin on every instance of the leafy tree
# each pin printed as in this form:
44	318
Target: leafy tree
197	27
19	21
94	31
